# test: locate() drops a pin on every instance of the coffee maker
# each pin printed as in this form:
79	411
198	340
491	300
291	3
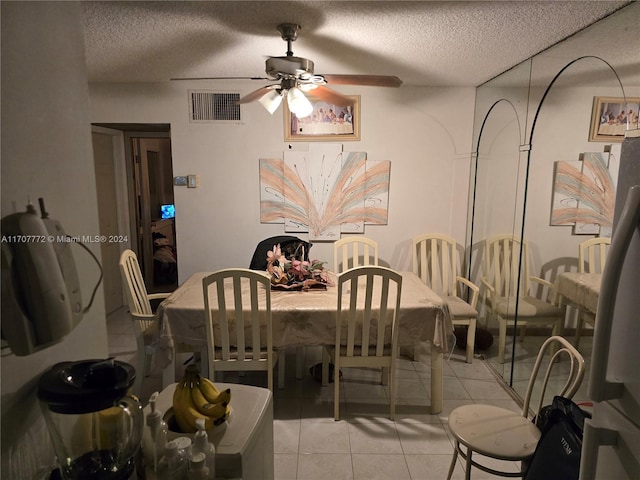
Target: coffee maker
95	425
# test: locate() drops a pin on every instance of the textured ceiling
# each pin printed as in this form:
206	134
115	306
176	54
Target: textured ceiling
432	43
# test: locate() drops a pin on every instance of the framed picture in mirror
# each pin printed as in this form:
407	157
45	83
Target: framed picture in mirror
611	117
327	122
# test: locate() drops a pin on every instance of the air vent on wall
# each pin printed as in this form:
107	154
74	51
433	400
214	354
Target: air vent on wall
207	106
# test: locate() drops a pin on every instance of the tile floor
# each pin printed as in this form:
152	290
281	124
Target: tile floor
365	444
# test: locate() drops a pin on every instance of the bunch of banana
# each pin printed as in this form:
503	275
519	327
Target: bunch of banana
197	397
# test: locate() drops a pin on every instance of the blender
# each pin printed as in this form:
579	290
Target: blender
95	426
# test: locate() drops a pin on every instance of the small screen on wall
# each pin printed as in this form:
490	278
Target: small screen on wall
167	211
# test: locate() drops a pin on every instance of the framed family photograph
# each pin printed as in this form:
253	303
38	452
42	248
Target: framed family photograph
611	117
327	122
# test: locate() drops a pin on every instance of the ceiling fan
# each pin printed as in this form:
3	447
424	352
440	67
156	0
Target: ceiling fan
296	77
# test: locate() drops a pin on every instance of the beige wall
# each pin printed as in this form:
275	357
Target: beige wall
46	152
424	132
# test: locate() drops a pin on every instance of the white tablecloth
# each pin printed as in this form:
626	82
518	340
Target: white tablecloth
303	317
580	289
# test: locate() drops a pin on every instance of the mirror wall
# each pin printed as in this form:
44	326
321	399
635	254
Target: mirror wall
526	120
499	176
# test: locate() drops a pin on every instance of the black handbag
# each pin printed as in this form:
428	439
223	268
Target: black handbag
557	455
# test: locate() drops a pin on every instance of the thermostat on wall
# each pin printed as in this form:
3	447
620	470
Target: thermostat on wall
180	181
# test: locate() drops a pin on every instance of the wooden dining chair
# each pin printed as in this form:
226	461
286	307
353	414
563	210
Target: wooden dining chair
592	256
508	302
502	434
145	321
237	305
435	261
349	252
368	302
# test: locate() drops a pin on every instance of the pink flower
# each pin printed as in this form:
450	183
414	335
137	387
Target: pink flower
276	255
299	270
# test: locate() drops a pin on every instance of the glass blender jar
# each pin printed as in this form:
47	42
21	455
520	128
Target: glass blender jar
95	426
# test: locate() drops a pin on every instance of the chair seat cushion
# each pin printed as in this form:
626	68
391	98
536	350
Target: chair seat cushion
527	307
460	309
494	431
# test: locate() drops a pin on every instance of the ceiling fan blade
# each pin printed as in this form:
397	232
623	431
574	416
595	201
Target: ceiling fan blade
256	94
330	96
367	80
220	78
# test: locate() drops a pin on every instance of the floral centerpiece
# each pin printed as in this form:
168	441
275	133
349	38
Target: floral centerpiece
289	274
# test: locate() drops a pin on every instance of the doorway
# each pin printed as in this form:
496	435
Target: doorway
155	211
134	179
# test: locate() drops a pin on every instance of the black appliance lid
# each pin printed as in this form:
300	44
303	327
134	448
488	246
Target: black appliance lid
85	386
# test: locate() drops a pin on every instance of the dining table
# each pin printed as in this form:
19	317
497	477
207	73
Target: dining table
579	290
307	317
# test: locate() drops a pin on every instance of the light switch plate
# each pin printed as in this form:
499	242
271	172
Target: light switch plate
193	181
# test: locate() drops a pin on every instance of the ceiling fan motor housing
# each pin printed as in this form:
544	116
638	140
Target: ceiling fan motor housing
283	67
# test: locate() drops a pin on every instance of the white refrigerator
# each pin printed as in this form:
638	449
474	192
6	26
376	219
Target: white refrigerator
611	444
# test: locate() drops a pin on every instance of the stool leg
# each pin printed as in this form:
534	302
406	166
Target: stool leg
467	468
453	461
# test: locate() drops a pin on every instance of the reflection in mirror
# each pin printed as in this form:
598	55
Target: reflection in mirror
525	136
498	177
499	129
570	188
496	212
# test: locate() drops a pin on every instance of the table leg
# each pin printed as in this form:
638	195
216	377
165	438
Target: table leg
436	381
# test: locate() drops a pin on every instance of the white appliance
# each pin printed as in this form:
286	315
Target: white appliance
244	445
611	444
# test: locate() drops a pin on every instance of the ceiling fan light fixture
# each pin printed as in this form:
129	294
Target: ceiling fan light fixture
298	103
307	87
271	101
